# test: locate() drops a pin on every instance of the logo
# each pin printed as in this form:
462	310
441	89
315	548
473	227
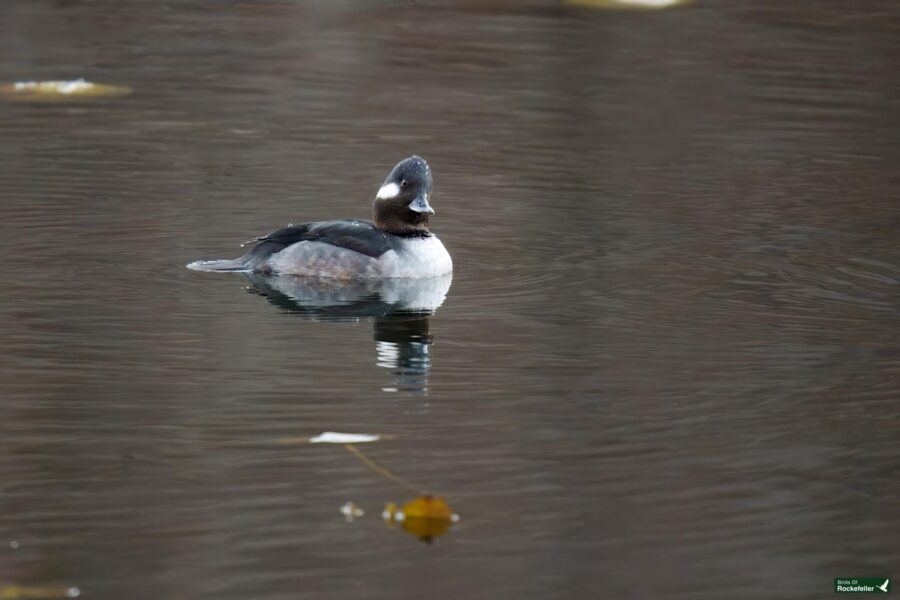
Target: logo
862	585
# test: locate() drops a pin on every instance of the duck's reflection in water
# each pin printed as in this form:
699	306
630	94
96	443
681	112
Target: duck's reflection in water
399	308
402	346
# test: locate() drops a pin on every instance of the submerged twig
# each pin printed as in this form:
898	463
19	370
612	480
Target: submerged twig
382	471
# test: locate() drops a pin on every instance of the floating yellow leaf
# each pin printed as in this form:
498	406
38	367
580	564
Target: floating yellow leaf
426	517
614	4
55	90
428	507
33	592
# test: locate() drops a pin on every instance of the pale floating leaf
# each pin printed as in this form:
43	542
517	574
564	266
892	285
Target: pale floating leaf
75	88
36	592
334	437
351	511
613	4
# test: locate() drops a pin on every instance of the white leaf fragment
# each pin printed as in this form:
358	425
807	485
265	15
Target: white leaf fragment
651	3
334	437
74	86
351	511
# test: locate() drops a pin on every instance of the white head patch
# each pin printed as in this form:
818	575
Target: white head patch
388	191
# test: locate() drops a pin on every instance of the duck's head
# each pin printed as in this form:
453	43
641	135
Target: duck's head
401	205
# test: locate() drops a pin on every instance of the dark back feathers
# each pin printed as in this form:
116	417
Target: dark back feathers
358	236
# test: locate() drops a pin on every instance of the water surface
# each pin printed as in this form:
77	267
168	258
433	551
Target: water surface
668	364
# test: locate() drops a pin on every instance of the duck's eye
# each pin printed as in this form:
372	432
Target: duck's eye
404	183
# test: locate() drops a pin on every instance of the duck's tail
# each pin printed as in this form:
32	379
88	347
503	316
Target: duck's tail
237	264
254	259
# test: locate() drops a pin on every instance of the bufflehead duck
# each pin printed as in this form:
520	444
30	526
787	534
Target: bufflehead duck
398	244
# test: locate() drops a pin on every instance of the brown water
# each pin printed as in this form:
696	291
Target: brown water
668	365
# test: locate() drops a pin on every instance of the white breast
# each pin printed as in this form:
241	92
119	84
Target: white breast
417	257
